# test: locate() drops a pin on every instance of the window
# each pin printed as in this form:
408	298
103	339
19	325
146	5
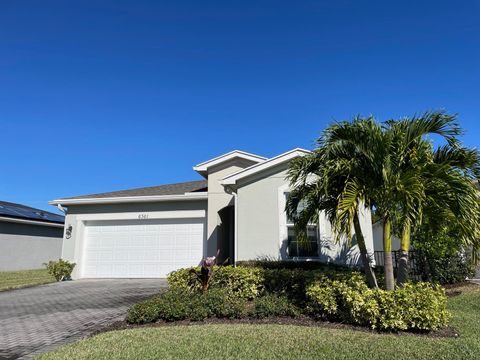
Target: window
296	248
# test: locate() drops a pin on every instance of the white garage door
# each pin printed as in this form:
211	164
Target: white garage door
140	248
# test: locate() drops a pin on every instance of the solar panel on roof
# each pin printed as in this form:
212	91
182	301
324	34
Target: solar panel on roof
24	212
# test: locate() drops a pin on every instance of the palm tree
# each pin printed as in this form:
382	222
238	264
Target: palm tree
450	197
318	186
403	188
323	181
364	163
437	181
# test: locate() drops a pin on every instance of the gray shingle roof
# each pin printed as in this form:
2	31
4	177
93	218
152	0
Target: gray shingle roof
19	211
167	189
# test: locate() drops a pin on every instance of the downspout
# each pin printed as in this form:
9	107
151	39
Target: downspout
65	227
235	227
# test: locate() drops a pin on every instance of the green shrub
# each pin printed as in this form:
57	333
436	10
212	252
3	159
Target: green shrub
224	303
60	270
244	282
390	314
170	306
328	289
448	269
426	306
184	279
145	312
249	282
271	305
440	255
339	296
418	306
180	304
288	282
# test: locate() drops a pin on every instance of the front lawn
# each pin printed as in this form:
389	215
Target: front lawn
241	341
18	279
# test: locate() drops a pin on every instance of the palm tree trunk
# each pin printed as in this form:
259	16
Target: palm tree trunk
371	278
387	251
402	275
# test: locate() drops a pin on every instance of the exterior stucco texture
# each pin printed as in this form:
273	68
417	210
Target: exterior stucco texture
262	223
24	246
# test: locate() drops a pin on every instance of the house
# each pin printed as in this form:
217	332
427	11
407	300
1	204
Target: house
29	237
377	228
236	211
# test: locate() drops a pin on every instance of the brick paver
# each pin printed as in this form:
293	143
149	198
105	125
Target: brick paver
38	319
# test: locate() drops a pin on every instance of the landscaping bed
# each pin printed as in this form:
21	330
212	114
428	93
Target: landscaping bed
250	294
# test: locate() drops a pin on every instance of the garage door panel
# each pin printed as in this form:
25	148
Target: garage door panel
120	255
143	248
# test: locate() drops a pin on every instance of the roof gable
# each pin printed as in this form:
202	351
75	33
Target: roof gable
265	165
203	167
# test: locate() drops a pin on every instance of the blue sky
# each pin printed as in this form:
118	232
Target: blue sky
105	95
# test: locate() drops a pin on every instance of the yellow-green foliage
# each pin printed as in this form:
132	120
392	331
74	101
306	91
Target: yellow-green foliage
419	306
339	296
245	282
250	282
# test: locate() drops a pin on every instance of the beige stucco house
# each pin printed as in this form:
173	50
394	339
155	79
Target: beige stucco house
236	212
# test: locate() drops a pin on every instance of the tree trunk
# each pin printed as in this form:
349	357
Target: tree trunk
387	251
402	275
371	278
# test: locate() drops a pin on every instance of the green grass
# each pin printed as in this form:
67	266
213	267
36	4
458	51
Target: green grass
283	341
18	279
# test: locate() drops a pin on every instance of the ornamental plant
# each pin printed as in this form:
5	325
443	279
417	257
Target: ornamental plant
61	270
206	272
416	306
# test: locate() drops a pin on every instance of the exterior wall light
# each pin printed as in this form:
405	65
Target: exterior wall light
68	232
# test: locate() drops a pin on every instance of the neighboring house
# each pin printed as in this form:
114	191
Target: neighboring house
29	237
237	212
378	237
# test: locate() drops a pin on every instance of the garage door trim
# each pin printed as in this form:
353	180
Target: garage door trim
178	214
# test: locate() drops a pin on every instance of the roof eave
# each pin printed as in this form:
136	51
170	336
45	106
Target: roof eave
31	222
202	168
232	179
130	199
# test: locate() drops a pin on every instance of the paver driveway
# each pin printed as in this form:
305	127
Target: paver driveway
38	319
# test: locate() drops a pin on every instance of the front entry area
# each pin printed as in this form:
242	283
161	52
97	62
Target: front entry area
140	248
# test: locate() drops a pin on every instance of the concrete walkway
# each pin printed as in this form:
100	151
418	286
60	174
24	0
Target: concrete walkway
41	318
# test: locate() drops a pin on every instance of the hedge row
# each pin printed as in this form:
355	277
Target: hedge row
418	306
251	282
323	294
176	305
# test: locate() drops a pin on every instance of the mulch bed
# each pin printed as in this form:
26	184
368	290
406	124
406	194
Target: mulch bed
447	332
451	290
